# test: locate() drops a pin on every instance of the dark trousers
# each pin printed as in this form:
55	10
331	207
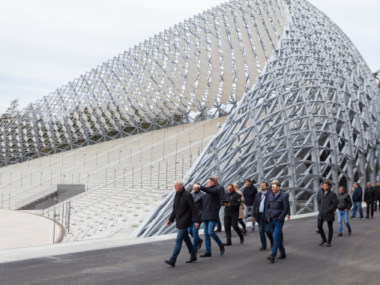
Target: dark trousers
241	222
264	228
370	205
322	232
232	220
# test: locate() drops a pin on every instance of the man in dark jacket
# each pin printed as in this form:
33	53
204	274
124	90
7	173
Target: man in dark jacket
232	203
183	211
377	187
328	205
221	190
357	199
278	208
320	192
249	193
259	212
198	197
344	205
210	215
369	198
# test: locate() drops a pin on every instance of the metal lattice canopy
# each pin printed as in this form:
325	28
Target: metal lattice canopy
205	63
311	115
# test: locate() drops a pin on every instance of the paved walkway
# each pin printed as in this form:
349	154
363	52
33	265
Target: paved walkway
352	259
20	229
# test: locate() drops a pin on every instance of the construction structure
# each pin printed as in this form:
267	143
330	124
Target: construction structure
312	115
293	97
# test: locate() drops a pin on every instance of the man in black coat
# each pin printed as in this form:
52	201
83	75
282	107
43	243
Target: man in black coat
327	208
232	203
249	193
377	187
259	212
370	197
198	197
222	192
210	215
278	208
184	211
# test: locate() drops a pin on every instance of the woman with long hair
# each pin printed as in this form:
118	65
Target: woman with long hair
241	213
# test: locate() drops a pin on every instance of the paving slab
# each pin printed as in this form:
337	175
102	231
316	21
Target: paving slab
21	229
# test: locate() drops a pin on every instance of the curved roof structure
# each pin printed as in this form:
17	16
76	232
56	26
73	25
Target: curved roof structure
311	115
206	62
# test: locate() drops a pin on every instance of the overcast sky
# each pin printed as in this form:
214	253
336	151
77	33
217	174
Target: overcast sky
45	44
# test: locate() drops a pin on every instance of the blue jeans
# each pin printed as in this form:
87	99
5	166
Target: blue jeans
357	205
194	233
276	227
343	214
209	227
264	228
218	223
182	235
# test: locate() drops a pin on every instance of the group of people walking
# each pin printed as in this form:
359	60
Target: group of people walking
202	205
269	208
331	205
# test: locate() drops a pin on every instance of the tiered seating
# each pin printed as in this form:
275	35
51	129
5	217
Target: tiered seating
125	179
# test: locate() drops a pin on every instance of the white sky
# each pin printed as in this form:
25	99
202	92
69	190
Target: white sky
45	44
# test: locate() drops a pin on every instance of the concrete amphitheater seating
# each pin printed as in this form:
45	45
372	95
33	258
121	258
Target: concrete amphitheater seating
125	179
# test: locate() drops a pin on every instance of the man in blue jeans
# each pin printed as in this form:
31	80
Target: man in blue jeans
357	198
259	211
183	210
198	197
278	207
210	215
344	205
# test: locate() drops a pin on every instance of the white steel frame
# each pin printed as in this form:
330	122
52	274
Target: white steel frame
312	115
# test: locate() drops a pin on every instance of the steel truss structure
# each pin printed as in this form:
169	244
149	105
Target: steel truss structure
205	63
312	114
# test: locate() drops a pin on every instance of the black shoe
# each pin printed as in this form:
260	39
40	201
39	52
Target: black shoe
340	234
218	230
322	242
362	218
222	250
281	257
367	217
271	258
245	233
317	232
242	240
349	232
263	248
352	218
171	263
227	243
206	254
200	244
191	260
328	244
371	217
